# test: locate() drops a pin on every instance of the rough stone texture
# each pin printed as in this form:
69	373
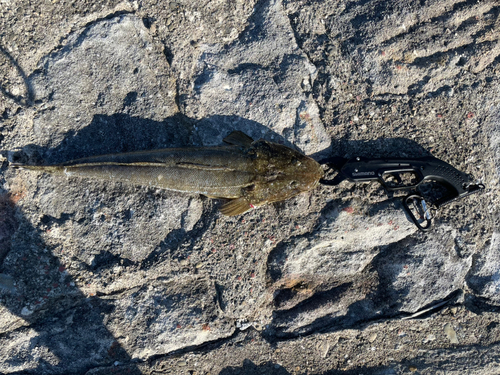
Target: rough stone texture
100	278
485	279
266	65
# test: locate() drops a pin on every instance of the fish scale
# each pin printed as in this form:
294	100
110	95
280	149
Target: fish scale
250	173
213	183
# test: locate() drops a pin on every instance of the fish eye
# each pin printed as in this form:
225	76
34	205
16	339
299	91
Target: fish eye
296	162
293	183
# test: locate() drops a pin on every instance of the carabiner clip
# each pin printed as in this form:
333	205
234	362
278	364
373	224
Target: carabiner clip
423	210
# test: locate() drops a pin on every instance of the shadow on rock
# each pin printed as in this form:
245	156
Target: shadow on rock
379	370
269	368
378	148
479	305
68	331
27	98
120	133
112	134
250	368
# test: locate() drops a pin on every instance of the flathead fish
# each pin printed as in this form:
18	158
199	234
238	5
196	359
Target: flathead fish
249	173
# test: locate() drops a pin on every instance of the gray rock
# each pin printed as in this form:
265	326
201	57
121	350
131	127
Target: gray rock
102	277
178	313
109	67
421	274
348	237
484	277
318	277
400	52
266	65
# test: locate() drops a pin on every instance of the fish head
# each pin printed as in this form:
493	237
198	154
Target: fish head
283	172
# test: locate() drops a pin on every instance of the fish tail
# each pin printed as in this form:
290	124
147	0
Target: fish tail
44	168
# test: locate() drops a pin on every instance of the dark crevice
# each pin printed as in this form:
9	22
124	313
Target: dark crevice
320	86
442	56
246	67
479	305
129	99
169	55
148	22
49	220
440	19
327	324
107	260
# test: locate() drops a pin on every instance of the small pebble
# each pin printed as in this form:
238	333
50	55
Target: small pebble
450	332
429	337
26	311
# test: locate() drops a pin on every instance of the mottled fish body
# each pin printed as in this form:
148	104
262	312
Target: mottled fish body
250	173
211	171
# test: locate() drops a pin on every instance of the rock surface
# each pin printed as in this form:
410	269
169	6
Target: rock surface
100	278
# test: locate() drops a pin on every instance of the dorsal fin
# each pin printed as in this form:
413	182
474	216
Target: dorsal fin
238	138
235	207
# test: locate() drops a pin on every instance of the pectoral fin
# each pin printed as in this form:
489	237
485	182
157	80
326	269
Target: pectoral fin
236	207
238	138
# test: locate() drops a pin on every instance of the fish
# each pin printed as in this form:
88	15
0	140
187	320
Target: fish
248	173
